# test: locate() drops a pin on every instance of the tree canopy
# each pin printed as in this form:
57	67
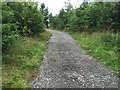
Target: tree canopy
89	16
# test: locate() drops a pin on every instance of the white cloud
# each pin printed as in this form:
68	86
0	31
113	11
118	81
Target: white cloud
55	6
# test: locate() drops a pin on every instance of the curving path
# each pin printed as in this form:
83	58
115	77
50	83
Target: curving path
65	65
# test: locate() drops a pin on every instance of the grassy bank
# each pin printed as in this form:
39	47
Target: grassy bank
102	46
21	62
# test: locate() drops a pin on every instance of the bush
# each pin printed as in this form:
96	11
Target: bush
9	35
110	39
20	18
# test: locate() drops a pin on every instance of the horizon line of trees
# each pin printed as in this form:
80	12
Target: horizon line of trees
89	16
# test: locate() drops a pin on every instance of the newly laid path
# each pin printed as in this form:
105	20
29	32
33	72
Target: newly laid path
65	65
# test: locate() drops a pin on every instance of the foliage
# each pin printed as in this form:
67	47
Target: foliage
90	17
54	22
9	36
45	13
95	45
22	61
110	39
23	42
20	18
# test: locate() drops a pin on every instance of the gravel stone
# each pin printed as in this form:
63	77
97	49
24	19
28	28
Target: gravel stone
65	65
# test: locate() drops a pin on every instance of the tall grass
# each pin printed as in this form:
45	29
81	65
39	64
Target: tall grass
101	45
21	62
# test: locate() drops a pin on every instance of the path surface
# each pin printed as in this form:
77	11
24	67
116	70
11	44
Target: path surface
65	65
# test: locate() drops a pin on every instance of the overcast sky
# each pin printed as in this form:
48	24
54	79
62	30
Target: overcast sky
55	6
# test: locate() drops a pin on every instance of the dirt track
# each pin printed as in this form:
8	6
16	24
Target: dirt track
65	65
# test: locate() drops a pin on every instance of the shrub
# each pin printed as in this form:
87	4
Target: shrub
110	39
9	35
20	18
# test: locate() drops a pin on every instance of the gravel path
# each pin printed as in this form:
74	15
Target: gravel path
65	65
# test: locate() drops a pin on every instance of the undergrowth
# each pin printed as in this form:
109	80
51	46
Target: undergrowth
101	45
20	64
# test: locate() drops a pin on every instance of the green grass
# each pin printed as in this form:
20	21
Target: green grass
93	44
22	61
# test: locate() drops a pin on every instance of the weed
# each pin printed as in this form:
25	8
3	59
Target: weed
101	46
21	62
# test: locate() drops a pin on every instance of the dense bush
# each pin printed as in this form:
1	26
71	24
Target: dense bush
20	18
110	39
9	35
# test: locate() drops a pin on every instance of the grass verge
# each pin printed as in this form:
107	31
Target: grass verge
21	62
101	46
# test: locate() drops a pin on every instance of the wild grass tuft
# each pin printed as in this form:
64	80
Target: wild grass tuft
21	62
101	45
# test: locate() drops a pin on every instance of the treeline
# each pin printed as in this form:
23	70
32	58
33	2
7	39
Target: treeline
20	19
92	16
